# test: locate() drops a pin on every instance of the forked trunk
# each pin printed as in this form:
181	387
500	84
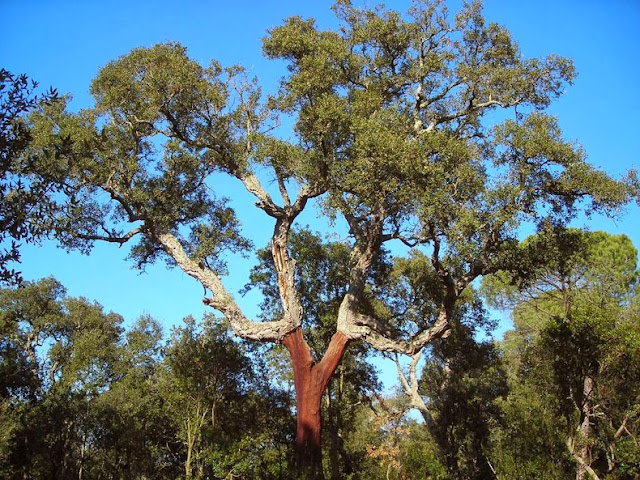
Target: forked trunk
310	380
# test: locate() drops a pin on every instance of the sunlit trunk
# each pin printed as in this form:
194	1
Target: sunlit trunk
310	381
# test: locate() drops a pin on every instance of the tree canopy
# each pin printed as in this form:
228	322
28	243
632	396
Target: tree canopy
394	132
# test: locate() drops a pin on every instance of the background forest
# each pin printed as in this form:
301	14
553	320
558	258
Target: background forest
421	147
83	397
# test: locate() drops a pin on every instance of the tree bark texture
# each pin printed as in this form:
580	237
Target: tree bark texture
310	380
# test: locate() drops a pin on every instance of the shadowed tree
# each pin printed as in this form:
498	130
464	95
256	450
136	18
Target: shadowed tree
83	399
59	353
395	132
576	340
221	408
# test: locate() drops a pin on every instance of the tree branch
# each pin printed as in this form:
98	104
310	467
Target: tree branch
253	186
411	389
283	188
357	326
581	460
112	239
332	357
222	301
115	195
473	107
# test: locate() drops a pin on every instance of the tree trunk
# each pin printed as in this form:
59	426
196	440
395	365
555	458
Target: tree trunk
583	457
308	432
310	380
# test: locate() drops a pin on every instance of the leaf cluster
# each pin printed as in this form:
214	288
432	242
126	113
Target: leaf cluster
21	201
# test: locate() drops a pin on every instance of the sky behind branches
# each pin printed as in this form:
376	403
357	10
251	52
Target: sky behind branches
64	43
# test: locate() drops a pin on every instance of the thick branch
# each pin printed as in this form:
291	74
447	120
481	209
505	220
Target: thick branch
253	186
363	327
285	271
332	357
354	325
306	193
221	300
440	329
299	349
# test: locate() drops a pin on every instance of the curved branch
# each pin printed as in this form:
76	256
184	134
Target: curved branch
253	186
373	336
222	300
356	326
411	389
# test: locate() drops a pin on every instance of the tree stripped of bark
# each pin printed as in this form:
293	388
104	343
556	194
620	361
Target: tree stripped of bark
395	132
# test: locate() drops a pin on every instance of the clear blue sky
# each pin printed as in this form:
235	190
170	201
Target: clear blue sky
64	43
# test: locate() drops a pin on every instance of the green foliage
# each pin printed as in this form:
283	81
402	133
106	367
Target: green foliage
84	406
463	381
420	456
387	89
22	202
392	120
149	101
84	398
393	445
575	346
402	129
529	441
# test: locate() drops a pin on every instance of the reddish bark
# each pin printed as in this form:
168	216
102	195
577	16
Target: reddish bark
310	380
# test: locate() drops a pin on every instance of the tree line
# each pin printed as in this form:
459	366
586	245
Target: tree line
84	397
425	133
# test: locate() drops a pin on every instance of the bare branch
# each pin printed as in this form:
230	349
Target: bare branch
111	238
222	300
440	329
253	186
307	192
411	388
283	188
357	326
408	388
